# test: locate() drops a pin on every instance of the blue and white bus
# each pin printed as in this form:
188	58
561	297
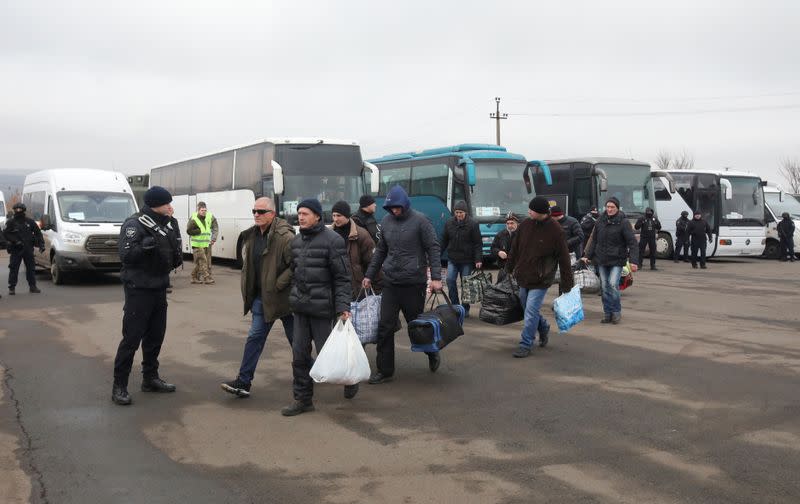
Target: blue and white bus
489	178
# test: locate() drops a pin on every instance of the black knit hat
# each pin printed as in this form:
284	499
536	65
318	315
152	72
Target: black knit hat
540	204
365	201
341	207
461	205
312	204
556	211
613	200
157	196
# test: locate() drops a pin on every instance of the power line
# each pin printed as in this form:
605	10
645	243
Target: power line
661	112
660	100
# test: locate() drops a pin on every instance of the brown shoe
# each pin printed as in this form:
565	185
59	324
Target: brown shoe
209	281
196	281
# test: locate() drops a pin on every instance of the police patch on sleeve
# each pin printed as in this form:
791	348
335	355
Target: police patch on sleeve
130	232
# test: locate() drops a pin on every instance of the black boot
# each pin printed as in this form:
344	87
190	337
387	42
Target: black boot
350	391
157	385
378	378
11	291
119	394
35	290
297	408
433	361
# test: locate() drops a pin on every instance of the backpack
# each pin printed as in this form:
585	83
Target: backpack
681	227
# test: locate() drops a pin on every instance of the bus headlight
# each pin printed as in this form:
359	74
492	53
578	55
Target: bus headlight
73	238
726	242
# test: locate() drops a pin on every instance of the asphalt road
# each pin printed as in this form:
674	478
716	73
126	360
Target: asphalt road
693	398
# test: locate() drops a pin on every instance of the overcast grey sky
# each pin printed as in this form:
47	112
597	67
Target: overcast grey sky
132	85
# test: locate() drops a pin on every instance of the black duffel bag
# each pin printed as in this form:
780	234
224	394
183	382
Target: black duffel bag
437	327
501	304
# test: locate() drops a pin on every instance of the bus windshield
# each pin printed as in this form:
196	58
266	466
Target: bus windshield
95	206
789	204
329	173
499	189
746	207
630	184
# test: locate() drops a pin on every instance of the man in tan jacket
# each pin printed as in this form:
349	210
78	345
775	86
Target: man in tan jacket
266	283
357	241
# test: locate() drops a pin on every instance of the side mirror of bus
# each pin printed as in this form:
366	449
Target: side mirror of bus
469	168
726	185
374	177
541	166
277	177
603	179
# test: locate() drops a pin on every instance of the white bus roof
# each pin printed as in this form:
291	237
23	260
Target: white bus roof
599	160
80	179
272	140
730	173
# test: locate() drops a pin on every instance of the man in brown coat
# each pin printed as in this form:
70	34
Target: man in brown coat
266	283
358	242
539	246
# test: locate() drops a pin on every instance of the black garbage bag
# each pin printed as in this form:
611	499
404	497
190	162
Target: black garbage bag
500	304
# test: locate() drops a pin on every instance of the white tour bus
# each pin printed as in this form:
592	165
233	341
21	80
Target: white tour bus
288	171
731	202
80	212
778	202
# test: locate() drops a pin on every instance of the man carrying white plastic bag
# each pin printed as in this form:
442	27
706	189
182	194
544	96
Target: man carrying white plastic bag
342	360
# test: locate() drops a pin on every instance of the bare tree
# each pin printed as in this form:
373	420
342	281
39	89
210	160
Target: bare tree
684	160
663	160
790	169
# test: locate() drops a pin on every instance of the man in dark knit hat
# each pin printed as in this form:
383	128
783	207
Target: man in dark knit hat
462	242
365	217
321	291
149	250
358	243
612	244
538	248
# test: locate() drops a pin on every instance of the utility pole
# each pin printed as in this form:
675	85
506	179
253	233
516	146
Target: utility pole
497	116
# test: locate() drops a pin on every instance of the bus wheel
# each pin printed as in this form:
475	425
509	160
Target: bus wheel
772	250
55	271
664	246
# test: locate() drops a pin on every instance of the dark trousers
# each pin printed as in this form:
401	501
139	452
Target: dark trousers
17	257
787	248
306	330
650	242
144	321
701	246
410	299
681	248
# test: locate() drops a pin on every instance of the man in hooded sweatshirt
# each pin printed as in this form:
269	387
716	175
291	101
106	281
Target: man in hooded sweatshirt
649	225
462	242
407	248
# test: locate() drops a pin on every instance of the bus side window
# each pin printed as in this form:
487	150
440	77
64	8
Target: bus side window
459	194
395	174
222	172
662	193
429	180
201	181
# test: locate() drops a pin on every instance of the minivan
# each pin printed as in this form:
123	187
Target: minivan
80	212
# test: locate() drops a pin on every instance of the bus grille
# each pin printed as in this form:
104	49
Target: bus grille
102	244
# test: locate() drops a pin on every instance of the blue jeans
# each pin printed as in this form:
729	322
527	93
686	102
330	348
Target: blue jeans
257	338
531	301
609	282
453	270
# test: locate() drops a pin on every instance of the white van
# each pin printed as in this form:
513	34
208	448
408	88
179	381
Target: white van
80	212
4	211
778	202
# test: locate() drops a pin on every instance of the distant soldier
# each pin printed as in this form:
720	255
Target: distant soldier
786	234
22	234
203	231
698	231
649	226
682	237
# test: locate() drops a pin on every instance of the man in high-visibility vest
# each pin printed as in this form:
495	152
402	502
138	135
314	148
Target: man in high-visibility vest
202	230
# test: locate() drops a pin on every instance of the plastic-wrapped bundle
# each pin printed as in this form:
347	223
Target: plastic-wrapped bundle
501	304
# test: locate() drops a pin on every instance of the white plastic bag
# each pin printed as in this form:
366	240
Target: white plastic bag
342	359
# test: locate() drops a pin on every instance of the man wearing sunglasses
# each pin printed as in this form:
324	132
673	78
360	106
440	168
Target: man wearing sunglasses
266	282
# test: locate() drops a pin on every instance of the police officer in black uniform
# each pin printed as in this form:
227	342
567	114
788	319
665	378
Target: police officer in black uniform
149	251
23	234
649	226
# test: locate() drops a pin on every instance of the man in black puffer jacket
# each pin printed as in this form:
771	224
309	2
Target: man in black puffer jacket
407	248
321	291
462	242
613	242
